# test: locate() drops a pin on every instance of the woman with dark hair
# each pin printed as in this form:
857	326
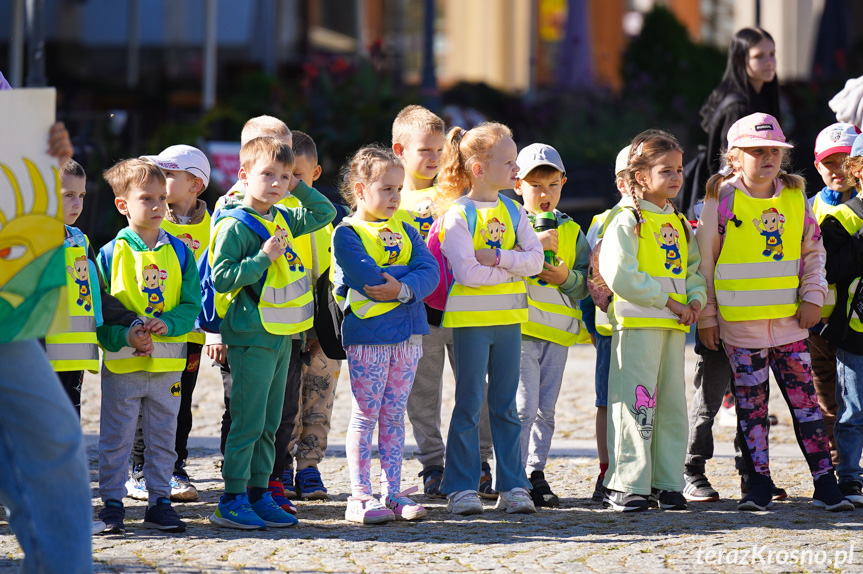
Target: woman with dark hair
749	85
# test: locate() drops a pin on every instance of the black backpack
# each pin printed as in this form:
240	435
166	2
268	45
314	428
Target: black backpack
696	171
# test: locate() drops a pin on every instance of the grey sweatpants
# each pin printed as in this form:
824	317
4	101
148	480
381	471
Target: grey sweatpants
542	365
157	397
424	401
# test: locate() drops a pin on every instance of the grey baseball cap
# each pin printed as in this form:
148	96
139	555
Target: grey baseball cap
535	155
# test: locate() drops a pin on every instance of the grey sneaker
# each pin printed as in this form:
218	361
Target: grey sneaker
516	501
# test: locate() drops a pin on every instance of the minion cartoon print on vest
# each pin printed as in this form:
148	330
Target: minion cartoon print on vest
423	216
190	242
643	410
668	238
153	285
392	243
772	221
294	261
493	233
81	273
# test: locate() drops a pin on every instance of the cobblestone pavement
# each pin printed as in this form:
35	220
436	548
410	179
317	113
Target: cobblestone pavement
578	537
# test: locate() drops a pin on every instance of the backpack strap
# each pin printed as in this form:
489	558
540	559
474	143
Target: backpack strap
106	256
77	236
725	213
181	250
514	214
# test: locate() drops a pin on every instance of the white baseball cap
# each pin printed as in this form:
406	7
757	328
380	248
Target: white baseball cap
835	138
536	155
183	158
622	160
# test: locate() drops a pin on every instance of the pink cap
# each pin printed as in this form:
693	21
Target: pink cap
757	130
835	138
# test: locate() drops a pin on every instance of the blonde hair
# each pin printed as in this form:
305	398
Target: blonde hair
732	157
463	148
266	147
366	166
413	120
130	173
264	126
851	164
647	147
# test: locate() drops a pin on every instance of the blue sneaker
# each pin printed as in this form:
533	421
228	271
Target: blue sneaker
288	483
309	484
271	513
112	516
162	516
237	514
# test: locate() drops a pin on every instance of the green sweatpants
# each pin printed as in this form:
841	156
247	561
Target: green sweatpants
647	420
257	395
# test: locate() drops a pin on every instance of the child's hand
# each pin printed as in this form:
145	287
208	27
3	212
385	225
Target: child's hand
549	239
59	144
272	248
139	339
683	312
313	347
292	185
486	257
554	274
808	314
710	337
388	291
157	326
217	352
695	307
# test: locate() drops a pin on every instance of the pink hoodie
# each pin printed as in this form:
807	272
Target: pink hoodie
760	333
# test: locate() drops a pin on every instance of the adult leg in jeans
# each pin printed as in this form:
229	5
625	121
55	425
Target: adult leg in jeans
37	457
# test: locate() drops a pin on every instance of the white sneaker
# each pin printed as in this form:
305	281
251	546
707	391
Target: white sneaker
726	417
516	501
403	507
464	502
98	527
137	488
368	511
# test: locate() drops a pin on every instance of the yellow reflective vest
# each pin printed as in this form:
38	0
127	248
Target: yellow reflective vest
419	209
196	236
757	273
313	249
387	244
553	316
76	348
601	321
662	253
501	304
148	283
822	210
287	304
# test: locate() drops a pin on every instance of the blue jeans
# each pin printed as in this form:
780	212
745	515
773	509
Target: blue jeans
41	446
848	429
495	351
603	361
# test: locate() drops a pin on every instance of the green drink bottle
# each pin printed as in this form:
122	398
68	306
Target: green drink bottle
543	222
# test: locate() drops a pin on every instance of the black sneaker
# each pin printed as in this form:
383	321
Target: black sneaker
598	490
162	516
776	493
699	489
113	515
485	490
432	478
852	491
758	493
666	499
624	501
540	491
828	496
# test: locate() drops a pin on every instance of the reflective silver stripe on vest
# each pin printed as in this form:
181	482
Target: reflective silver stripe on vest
82	324
766	270
496	302
554	320
626	309
289	292
287	315
766	298
161	350
72	351
831	297
549	295
672	285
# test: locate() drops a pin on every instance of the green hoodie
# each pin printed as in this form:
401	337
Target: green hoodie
179	320
239	260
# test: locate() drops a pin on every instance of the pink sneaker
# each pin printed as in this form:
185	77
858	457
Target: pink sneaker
367	511
402	506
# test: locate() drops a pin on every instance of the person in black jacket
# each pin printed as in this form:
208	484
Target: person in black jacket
843	241
749	85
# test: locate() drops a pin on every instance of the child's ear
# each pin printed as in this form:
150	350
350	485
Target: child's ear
562	181
316	173
242	175
197	185
358	190
477	169
120	202
398	149
517	187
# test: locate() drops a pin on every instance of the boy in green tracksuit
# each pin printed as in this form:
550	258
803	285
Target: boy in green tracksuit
265	298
